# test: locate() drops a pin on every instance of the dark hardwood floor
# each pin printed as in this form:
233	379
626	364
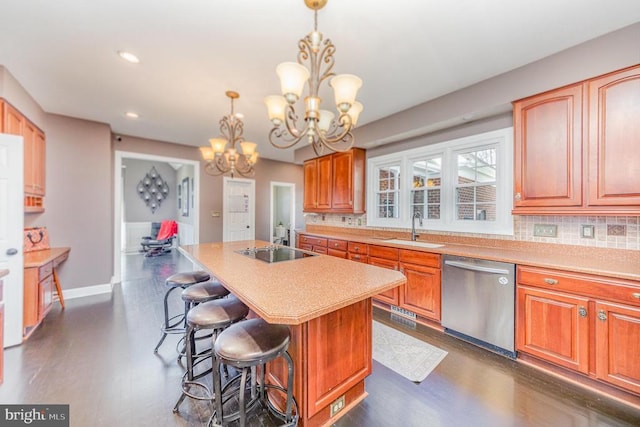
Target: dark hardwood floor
97	356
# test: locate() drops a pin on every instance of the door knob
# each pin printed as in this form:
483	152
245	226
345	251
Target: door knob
12	251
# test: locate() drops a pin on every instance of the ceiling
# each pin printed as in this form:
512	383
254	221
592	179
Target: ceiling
407	52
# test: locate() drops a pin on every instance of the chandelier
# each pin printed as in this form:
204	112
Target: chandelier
320	129
222	159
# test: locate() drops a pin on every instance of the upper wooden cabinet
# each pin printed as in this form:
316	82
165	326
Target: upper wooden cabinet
335	183
13	122
548	154
574	148
614	134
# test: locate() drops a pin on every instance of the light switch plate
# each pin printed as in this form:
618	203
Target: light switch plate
588	231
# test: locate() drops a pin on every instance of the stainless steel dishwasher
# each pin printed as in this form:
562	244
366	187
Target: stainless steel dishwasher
478	302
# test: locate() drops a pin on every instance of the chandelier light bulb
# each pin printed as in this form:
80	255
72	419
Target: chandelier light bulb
345	88
325	120
276	105
354	112
218	145
292	76
248	148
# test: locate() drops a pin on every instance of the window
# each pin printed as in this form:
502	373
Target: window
462	185
388	192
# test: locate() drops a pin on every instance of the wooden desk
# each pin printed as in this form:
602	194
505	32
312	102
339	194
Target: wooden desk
326	301
39	279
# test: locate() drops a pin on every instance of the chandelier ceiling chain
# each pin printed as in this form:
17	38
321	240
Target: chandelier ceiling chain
320	128
222	159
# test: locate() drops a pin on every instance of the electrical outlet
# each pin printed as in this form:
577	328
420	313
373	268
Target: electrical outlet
588	231
545	230
337	406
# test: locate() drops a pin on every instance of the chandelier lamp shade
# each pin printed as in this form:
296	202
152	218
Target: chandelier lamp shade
222	156
321	128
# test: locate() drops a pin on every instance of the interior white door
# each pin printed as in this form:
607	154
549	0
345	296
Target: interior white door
238	205
11	226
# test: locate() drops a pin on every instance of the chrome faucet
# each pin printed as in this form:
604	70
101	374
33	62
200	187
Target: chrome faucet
418	215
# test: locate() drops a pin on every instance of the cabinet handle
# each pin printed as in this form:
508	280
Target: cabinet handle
602	315
335	244
550	281
582	312
517	196
356	257
636	295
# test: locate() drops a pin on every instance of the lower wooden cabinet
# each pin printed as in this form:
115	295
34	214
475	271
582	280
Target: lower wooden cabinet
586	323
554	327
421	293
385	257
618	345
38	295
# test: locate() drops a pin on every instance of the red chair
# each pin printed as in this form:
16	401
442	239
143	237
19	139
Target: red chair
162	242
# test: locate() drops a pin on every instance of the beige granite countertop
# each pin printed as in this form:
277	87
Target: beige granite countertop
3	273
618	263
291	292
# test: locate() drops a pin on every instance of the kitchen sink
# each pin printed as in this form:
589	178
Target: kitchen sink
412	243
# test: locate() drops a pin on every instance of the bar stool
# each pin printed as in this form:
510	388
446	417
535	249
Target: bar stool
213	315
173	282
197	294
245	346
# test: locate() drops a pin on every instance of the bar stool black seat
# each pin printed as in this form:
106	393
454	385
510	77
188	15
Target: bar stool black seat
215	315
176	324
244	346
197	294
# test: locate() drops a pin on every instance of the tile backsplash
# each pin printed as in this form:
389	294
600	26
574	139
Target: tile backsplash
617	232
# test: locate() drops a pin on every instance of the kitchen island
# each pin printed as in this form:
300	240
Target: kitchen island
326	302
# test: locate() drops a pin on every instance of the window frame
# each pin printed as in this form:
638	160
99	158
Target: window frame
501	139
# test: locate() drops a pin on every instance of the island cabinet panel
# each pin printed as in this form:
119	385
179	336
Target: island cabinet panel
336	362
548	148
618	349
614	132
386	257
554	327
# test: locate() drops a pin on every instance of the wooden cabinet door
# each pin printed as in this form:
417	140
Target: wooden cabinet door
39	166
553	326
421	293
342	197
12	120
618	345
392	296
45	296
614	132
324	183
30	168
310	195
548	149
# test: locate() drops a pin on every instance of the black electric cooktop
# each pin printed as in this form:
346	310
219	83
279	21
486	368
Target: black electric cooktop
272	254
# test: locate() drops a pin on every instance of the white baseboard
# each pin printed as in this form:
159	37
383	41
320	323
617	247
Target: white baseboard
87	291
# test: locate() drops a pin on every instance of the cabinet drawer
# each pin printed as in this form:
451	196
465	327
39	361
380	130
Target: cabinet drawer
305	247
45	270
60	259
385	263
358	248
358	257
383	252
315	241
320	250
340	245
420	258
618	290
336	253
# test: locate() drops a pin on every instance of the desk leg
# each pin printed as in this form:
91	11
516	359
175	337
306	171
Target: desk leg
58	289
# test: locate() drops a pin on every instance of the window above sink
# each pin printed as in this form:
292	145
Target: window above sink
462	185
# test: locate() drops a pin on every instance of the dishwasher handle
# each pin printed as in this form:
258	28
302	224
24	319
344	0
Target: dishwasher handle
473	267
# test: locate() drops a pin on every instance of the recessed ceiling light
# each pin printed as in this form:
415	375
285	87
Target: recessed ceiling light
131	115
128	56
